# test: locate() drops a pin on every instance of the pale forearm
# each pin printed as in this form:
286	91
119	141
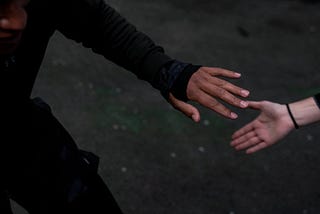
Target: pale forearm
305	111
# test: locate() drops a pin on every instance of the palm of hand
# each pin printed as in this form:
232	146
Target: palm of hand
270	126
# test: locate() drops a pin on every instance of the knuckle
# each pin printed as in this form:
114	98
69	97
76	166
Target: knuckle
214	104
217	70
195	76
221	92
201	72
198	78
235	101
219	82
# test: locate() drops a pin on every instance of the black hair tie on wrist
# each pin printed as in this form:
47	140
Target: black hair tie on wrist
292	118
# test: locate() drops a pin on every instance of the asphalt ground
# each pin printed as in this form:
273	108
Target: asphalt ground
157	161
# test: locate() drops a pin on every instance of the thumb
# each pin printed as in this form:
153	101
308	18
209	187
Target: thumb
185	108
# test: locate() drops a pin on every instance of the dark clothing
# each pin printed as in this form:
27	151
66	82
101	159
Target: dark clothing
96	26
43	170
317	99
48	174
5	207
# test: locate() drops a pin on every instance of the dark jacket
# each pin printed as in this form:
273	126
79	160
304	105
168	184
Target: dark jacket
95	25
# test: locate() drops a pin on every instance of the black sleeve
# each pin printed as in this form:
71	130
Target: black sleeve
317	99
179	86
98	26
174	77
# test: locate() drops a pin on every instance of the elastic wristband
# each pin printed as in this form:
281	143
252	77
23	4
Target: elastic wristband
292	118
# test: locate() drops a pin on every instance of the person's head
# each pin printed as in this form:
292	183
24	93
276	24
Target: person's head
13	20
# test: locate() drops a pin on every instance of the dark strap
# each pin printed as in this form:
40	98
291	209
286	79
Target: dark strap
292	118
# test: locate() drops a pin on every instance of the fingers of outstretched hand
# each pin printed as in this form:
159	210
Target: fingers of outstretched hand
224	84
255	105
204	81
248	143
185	108
247	128
211	103
243	138
224	91
232	88
221	72
247	139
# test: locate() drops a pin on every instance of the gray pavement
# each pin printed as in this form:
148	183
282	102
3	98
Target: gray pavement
155	160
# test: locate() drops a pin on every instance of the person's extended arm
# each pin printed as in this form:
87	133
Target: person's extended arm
275	122
98	26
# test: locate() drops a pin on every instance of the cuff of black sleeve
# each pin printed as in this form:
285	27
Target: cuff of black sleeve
152	65
317	99
179	87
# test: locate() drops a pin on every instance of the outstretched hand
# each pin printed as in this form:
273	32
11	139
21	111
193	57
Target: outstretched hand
269	127
205	87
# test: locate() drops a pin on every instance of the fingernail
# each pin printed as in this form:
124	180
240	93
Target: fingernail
194	117
238	74
245	93
243	104
233	115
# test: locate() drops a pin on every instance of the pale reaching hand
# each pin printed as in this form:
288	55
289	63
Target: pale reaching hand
206	87
269	127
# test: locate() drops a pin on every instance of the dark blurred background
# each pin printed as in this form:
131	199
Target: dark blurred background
157	161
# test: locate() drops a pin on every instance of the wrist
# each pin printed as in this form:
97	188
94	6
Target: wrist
179	87
305	111
296	126
286	118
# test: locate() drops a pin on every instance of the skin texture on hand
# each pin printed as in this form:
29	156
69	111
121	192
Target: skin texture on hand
273	124
305	111
205	87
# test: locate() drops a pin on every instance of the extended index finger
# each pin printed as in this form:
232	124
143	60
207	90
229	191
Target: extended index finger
222	72
211	103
